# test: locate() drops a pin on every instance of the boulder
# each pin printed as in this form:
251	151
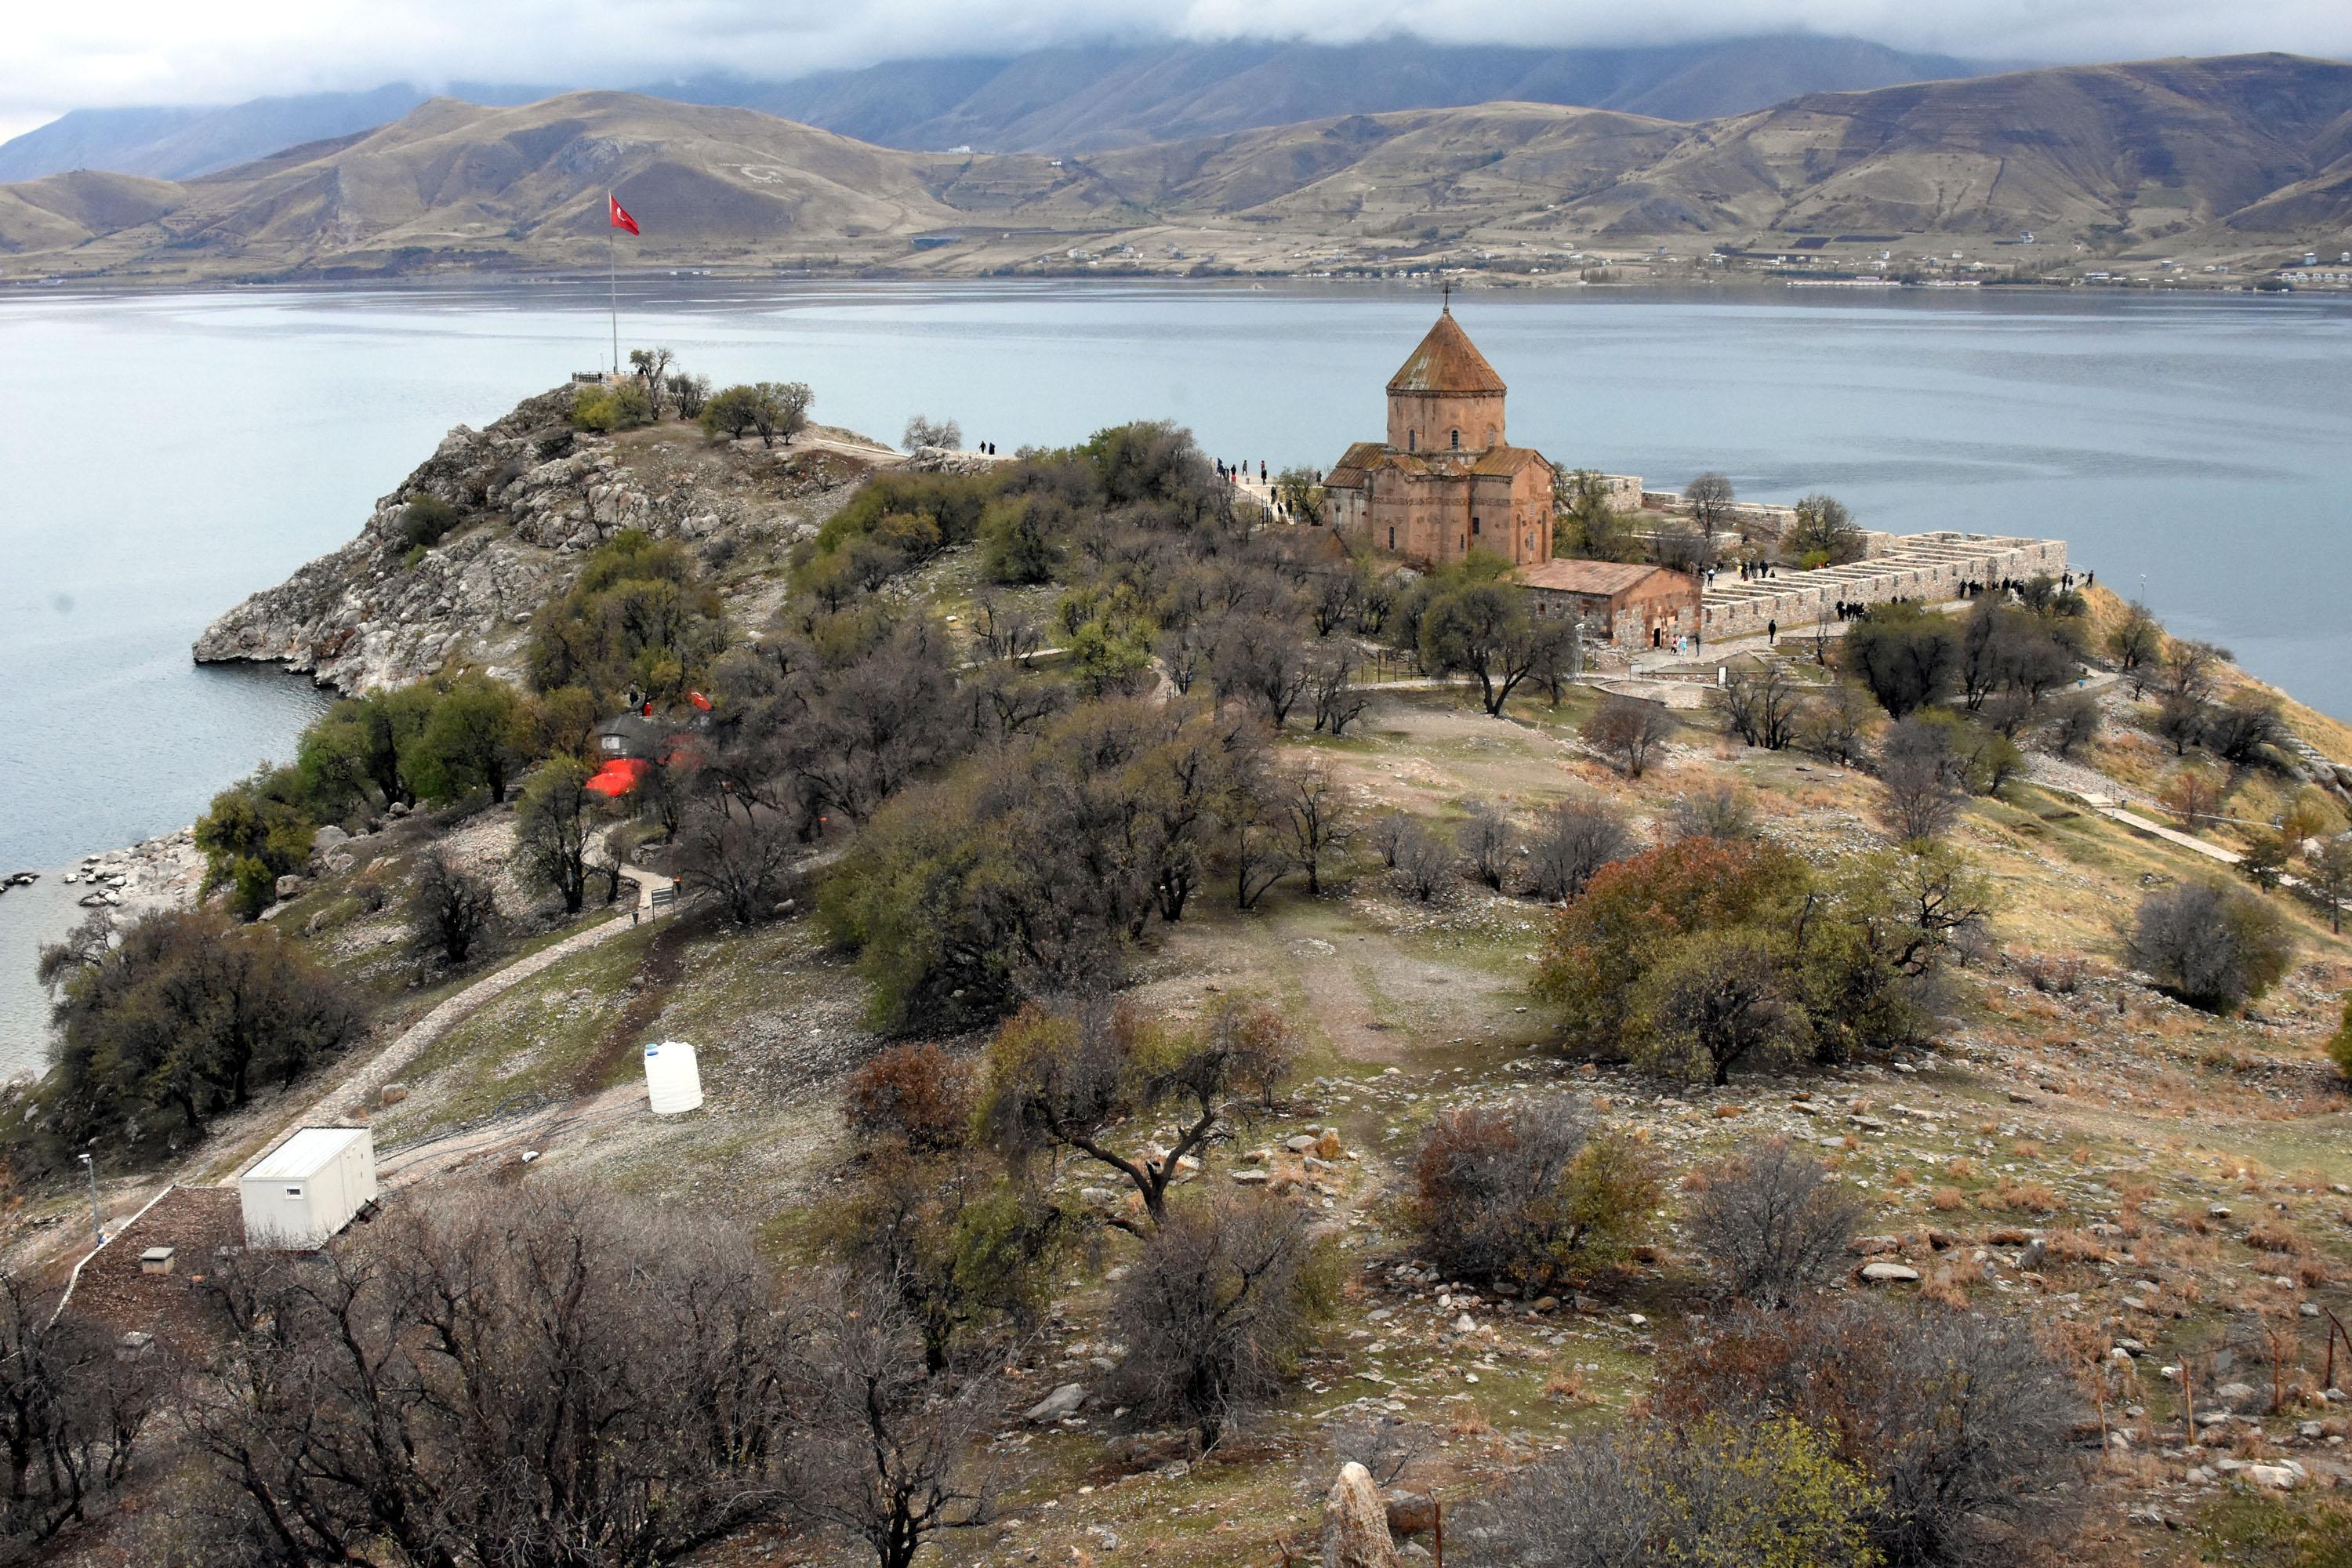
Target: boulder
1355	1523
1889	1274
1329	1144
1066	1400
1411	1514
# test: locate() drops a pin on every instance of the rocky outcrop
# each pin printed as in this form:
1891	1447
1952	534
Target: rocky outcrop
529	498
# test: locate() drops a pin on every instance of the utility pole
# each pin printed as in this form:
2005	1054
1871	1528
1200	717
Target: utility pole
97	1226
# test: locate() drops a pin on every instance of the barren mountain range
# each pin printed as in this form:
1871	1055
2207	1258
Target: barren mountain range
1075	98
2226	153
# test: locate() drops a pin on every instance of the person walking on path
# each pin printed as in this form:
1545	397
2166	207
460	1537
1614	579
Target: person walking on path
1771	633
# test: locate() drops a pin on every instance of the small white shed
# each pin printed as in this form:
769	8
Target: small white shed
309	1188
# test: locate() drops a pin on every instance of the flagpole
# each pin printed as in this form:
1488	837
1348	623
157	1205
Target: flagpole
612	281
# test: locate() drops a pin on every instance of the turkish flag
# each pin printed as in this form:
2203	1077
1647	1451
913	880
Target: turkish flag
621	218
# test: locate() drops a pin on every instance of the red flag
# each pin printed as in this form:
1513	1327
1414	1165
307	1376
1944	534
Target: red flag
621	218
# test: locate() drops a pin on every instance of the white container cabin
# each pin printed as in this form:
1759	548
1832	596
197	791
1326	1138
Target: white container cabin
307	1188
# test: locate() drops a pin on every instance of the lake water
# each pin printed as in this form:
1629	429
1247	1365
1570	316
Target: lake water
164	456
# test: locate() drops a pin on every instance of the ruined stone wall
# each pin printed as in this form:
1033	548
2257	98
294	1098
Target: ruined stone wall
1927	568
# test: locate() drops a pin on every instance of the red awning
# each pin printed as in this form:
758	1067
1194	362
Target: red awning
619	776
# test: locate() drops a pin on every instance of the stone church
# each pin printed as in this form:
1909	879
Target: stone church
1447	480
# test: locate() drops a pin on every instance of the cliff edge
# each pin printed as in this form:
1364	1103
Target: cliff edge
452	563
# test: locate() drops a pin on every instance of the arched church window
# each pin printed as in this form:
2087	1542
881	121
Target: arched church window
1454	439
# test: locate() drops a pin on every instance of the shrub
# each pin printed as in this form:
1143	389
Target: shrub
1712	1000
1604	944
1218	1308
1721	811
1961	1420
1531	1190
1485	840
918	1095
963	1247
426	520
604	409
2212	946
1578	837
2074	724
1773	1223
2339	1044
1719	1492
1426	864
1628	730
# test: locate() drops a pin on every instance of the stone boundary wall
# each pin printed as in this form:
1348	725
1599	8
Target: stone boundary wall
1928	567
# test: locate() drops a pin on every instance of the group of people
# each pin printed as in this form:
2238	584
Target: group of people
1750	572
1973	589
1240	471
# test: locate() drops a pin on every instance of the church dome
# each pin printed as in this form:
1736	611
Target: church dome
1446	360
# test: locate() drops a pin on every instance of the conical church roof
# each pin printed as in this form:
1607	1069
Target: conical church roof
1446	360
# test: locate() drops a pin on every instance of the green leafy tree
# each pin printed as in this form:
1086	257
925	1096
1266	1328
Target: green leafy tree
477	737
1585	520
1907	656
1822	534
174	1022
253	835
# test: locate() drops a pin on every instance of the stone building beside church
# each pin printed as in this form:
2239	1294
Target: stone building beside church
1447	480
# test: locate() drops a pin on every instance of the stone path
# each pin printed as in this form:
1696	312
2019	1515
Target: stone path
350	1097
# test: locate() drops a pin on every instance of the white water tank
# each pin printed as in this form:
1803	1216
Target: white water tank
673	1078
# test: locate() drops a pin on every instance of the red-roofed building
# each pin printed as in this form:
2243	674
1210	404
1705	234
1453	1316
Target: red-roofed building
1447	480
1630	604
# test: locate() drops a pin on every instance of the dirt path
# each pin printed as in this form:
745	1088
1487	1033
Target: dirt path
347	1098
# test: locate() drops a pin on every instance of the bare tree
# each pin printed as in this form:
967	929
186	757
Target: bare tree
745	861
884	1453
1760	704
1485	840
924	431
651	367
1577	838
1316	819
1217	1309
1920	798
75	1413
1075	1078
1425	864
1836	724
1627	731
450	908
1709	496
1389	832
1773	1223
1340	699
521	1371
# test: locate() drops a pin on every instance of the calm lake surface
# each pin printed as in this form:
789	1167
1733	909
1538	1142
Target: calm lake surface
164	455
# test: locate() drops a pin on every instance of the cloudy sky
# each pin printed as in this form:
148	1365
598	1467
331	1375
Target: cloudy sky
168	51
